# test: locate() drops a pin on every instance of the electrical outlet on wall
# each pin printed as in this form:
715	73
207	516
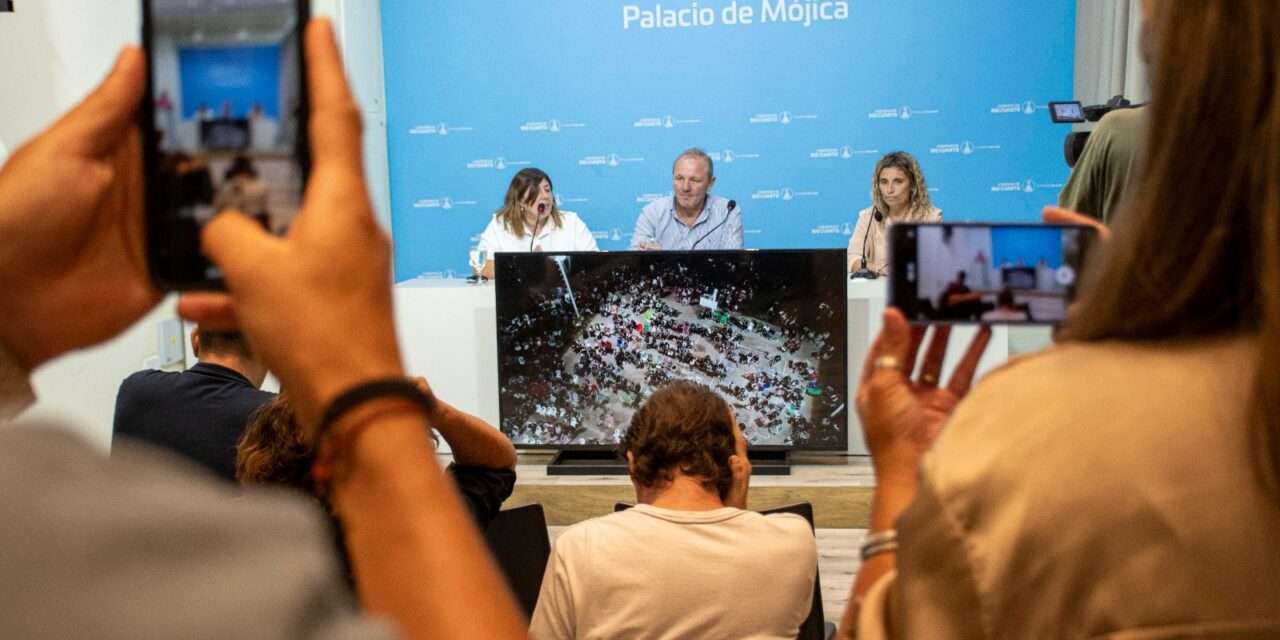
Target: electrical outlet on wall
170	342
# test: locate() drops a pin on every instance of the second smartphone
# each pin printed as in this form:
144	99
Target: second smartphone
986	273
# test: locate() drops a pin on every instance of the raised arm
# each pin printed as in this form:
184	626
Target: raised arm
417	558
473	441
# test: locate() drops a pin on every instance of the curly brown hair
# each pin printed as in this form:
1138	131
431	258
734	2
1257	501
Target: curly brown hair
685	426
272	450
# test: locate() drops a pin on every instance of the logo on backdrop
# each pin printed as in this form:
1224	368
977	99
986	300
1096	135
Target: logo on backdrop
844	152
785	194
446	203
966	148
608	160
664	122
440	129
781	117
905	112
730	157
1025	186
553	125
646	198
829	230
500	163
1027	108
560	201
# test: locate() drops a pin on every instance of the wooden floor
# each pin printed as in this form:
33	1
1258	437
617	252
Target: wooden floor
839	487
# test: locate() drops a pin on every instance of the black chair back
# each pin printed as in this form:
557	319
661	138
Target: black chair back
519	542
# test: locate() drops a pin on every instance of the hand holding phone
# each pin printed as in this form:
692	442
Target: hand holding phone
76	278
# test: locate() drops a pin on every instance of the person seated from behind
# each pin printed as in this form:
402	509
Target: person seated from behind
1006	309
688	561
273	450
199	413
243	191
958	300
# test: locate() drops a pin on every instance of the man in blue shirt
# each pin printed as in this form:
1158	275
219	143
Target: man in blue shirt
199	413
691	218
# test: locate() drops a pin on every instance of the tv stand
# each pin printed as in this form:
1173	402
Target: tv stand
770	462
605	462
587	462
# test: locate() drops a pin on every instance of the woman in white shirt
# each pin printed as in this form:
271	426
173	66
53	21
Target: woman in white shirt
898	194
529	220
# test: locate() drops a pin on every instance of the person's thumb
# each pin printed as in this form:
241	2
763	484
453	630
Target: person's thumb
239	245
98	124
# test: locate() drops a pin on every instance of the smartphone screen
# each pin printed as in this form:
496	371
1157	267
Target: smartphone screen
224	124
986	273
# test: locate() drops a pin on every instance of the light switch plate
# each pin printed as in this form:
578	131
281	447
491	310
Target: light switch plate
170	345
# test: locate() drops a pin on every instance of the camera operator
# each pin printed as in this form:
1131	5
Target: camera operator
1108	164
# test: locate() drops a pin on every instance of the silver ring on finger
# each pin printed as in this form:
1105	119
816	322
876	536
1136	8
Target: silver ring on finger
929	379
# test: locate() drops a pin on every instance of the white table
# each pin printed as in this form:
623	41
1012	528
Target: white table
448	331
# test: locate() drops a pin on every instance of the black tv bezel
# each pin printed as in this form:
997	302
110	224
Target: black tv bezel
502	258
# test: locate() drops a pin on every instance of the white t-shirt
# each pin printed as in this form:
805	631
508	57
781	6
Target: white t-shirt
649	572
571	235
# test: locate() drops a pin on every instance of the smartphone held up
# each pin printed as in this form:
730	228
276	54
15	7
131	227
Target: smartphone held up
225	124
986	273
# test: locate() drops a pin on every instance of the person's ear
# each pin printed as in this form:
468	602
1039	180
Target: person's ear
195	342
631	464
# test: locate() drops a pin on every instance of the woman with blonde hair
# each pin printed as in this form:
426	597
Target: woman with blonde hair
898	194
530	220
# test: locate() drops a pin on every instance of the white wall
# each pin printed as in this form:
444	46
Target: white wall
56	51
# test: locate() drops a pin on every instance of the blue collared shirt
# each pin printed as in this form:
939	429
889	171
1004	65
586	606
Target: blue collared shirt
715	228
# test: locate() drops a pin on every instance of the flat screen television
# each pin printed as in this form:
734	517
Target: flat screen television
584	338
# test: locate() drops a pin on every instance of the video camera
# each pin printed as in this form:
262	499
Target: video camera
1073	112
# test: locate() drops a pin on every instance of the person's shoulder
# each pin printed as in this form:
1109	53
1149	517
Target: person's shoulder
788	522
1123	118
576	538
789	533
150	378
1036	404
495	222
657	205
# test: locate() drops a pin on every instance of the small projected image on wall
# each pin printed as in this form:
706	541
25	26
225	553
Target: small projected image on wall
226	101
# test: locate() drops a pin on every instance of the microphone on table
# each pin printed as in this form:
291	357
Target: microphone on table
542	208
732	204
863	271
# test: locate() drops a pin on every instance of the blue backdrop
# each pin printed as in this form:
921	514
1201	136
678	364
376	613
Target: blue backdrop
242	76
794	99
